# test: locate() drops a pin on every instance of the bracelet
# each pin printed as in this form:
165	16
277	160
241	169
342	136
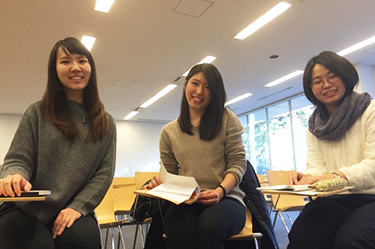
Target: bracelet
224	190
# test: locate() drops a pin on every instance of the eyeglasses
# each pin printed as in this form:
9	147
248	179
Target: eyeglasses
319	82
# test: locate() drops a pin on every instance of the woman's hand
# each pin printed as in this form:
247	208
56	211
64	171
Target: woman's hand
210	197
13	185
154	182
65	219
296	178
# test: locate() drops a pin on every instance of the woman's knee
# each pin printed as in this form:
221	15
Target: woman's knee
83	234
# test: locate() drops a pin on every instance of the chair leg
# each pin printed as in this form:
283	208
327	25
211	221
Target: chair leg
256	238
113	238
274	218
122	236
135	235
142	235
256	243
283	220
290	219
106	238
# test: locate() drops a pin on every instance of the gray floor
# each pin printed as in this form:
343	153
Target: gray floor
128	231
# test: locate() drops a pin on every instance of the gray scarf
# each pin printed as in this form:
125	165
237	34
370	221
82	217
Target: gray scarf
334	127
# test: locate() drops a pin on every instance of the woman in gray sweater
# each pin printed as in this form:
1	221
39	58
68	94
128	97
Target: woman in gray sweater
205	142
65	143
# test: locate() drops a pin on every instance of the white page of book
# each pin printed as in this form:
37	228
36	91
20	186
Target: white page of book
175	187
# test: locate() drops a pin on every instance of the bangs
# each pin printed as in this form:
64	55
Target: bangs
73	47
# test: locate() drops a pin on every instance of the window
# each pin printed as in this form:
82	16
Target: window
257	151
275	137
280	131
301	111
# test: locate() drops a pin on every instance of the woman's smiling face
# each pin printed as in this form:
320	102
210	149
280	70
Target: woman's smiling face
197	93
327	87
74	72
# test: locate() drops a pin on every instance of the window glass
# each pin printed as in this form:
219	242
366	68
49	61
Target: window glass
245	136
258	141
301	111
280	136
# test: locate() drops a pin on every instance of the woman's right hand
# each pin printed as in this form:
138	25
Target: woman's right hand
13	185
294	178
154	182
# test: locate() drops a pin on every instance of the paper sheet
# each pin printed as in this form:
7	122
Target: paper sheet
175	188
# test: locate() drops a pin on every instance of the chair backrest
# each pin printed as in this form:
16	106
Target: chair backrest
142	177
124	193
262	180
264	183
283	202
105	211
123	181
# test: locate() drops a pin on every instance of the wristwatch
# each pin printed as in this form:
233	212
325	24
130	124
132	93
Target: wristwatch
335	175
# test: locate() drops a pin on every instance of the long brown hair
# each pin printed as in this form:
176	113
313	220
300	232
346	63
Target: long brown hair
54	105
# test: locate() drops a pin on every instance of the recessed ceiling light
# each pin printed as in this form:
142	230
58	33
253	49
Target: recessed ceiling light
103	5
263	20
284	78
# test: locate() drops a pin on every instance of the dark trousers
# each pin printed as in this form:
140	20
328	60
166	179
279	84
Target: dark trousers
197	226
338	222
21	231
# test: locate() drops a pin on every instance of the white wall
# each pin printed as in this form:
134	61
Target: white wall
8	126
137	144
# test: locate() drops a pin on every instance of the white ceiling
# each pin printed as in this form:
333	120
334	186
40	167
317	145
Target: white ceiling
143	45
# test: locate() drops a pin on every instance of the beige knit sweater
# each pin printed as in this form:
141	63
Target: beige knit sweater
207	161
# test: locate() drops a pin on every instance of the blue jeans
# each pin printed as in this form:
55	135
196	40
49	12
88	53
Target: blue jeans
21	231
338	222
197	226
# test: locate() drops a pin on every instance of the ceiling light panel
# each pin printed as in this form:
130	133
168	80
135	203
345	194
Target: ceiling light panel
357	46
207	59
103	5
88	41
157	96
284	78
243	96
130	115
263	20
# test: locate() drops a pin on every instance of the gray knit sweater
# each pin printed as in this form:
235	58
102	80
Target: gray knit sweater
207	161
78	173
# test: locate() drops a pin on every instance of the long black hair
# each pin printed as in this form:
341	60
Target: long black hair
212	119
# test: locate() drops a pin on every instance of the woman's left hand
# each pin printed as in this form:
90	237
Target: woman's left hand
65	219
210	197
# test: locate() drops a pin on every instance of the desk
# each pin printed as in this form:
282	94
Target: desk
34	198
311	193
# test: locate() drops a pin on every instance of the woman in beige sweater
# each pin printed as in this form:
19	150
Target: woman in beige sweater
205	142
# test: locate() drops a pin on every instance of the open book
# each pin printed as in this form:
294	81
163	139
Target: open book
307	190
175	188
